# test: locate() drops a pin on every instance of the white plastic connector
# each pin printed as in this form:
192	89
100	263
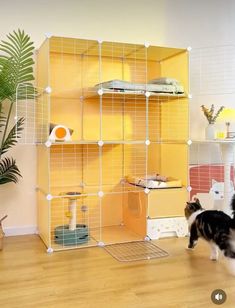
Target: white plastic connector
147	94
82	184
48	90
146	44
147	238
100	41
100	92
48	144
49	250
189	188
100	194
190	96
101	244
147	142
84	208
100	143
49	197
189	48
189	142
146	190
48	35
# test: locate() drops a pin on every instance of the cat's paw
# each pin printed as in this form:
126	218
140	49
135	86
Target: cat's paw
189	248
213	257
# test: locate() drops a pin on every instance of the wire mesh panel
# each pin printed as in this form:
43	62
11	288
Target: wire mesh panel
212	156
75	167
211	173
212	70
75	222
212	75
135	251
32	106
74	65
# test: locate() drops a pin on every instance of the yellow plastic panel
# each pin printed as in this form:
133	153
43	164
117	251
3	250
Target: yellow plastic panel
154	120
43	65
135	212
167	202
112	164
42	104
43	168
112	209
66	168
135	160
65	75
174	161
112	120
71	73
157	53
177	67
112	68
154	158
153	70
174	120
135	120
91	120
43	189
43	218
75	168
73	46
91	167
67	112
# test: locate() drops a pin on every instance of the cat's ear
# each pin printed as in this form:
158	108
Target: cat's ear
196	200
213	182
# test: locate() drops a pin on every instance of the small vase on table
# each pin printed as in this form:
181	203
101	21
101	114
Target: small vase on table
210	131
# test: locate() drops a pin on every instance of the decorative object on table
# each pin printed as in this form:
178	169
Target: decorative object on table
229	134
60	132
16	67
211	117
227	117
73	233
1	232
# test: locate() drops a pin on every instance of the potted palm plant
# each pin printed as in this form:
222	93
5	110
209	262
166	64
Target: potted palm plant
16	67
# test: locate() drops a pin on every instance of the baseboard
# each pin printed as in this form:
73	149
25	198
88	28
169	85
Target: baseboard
12	231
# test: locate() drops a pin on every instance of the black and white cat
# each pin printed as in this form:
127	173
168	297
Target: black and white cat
216	227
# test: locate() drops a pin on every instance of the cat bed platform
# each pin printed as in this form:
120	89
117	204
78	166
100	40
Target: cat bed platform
154	182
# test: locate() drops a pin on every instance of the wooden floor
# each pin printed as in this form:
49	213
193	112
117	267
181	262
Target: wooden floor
29	277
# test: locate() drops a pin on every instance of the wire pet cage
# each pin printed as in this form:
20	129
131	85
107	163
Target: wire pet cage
123	133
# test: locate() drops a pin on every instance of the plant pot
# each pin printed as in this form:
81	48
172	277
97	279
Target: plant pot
1	232
1	237
210	132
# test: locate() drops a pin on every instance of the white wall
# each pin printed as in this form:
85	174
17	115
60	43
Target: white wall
178	23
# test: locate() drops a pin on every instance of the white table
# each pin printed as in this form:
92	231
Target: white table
227	151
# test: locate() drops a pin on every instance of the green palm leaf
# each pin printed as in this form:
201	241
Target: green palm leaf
16	69
2	120
11	139
16	65
9	172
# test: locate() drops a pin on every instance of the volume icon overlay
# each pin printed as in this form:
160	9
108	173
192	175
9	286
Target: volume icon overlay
218	296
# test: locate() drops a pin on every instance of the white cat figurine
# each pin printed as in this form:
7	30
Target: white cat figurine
217	192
